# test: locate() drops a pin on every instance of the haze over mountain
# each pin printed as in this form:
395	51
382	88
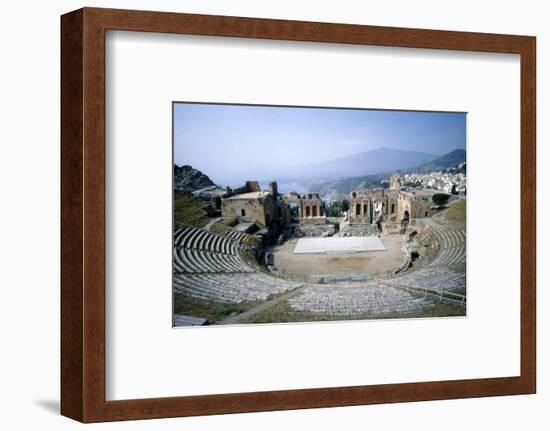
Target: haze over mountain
339	188
335	179
379	160
453	158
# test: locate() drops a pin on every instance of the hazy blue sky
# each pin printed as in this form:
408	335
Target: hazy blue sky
229	142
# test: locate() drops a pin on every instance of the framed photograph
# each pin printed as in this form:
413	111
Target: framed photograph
266	215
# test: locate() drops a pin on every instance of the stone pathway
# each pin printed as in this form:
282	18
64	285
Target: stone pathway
235	319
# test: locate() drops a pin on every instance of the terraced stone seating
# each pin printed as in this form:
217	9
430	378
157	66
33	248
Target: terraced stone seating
209	266
452	246
191	237
238	237
197	261
231	287
436	278
199	251
370	299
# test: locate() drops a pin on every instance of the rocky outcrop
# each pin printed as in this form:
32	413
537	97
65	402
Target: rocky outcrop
188	179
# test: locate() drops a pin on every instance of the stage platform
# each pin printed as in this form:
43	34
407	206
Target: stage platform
339	244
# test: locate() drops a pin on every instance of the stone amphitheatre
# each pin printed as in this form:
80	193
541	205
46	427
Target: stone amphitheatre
258	256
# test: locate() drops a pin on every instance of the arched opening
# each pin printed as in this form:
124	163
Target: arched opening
243	213
406	218
392	208
358	210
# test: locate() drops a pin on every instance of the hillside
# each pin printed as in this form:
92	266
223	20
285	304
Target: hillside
188	210
446	161
371	162
339	188
187	179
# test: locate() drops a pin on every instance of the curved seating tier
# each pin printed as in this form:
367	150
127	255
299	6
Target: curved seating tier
231	287
355	300
436	278
394	296
440	273
238	237
452	245
198	251
195	238
197	261
209	266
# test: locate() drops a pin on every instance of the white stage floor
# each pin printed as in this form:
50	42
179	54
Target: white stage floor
339	244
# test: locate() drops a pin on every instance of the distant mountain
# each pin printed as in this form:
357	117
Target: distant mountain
188	179
448	160
340	188
376	161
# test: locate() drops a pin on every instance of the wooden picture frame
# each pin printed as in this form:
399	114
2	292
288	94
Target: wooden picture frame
83	334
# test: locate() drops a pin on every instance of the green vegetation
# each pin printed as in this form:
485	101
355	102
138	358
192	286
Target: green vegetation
282	312
440	199
188	210
456	211
252	241
223	225
336	209
211	310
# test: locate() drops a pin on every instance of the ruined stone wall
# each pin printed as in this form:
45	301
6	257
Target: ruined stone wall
404	206
395	182
249	186
360	208
368	206
389	206
311	206
360	230
281	212
315	230
392	207
261	210
422	207
417	206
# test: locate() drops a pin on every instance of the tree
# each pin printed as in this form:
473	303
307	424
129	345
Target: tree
345	205
440	199
453	190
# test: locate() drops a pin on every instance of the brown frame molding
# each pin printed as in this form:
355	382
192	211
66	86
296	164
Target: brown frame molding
83	214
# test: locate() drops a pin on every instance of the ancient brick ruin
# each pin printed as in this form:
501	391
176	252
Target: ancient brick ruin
371	211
